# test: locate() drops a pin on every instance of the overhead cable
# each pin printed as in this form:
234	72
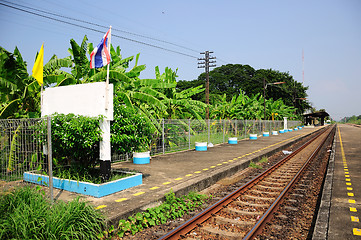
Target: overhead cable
95	30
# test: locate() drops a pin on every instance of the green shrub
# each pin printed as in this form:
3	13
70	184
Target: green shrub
26	214
130	131
75	138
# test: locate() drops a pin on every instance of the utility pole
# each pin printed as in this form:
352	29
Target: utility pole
206	64
264	98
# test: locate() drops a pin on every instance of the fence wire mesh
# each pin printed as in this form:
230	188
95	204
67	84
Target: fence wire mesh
22	141
21	147
182	134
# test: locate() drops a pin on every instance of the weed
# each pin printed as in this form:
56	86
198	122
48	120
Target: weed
263	160
26	214
172	208
254	165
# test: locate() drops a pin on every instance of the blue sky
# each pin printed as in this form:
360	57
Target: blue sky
261	33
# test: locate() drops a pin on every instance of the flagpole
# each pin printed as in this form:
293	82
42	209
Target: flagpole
107	80
105	146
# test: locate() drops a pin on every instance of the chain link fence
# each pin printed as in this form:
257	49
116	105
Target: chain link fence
23	141
181	134
21	147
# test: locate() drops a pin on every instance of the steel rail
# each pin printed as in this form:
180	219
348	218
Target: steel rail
267	216
195	221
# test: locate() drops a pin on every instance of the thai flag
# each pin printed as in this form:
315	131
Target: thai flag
100	55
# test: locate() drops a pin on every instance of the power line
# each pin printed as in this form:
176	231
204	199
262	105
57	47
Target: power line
95	30
98	25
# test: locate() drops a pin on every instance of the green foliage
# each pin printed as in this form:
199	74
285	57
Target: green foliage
230	79
75	138
130	131
13	147
172	208
353	119
254	165
263	160
19	92
26	214
242	106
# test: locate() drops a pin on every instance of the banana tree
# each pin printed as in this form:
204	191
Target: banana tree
19	92
179	105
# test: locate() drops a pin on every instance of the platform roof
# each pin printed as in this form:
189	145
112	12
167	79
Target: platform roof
316	114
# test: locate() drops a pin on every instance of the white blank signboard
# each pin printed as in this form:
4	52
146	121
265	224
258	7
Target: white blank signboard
82	99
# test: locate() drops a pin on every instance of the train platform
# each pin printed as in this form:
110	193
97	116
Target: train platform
340	207
186	171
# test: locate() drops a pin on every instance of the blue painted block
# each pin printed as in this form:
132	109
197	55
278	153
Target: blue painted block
201	148
296	129
285	130
253	136
290	130
282	131
143	160
232	140
91	189
265	134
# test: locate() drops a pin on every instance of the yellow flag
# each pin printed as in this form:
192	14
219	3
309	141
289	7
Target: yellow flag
38	66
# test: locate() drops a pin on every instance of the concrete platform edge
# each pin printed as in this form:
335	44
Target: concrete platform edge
201	183
320	231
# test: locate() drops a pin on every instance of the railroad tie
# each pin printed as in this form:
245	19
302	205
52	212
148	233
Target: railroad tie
264	193
242	203
259	198
269	187
221	233
242	212
223	220
279	183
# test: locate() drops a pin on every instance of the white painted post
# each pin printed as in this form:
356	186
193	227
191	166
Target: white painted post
285	123
105	150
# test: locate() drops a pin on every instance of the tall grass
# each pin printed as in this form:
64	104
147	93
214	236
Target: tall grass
26	214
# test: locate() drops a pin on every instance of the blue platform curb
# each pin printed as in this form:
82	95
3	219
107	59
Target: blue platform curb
232	141
91	189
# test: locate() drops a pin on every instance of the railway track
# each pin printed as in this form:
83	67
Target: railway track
244	213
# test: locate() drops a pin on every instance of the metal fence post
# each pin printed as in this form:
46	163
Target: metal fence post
245	128
209	132
224	129
163	136
50	160
235	127
189	133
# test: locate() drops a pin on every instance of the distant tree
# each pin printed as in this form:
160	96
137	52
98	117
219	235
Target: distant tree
231	79
184	85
